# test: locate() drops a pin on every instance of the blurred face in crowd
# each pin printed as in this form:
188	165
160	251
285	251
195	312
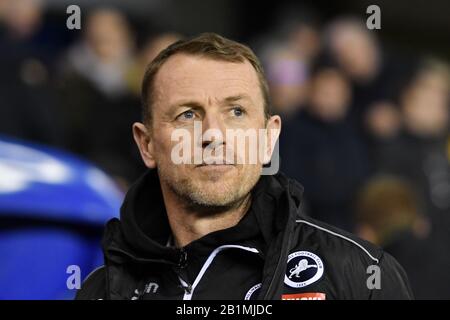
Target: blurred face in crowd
355	50
305	39
425	104
329	95
22	17
383	119
287	80
108	35
218	95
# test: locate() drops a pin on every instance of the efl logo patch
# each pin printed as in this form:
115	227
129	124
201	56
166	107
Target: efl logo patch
304	296
303	268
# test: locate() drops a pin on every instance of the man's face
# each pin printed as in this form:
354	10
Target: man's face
192	91
330	95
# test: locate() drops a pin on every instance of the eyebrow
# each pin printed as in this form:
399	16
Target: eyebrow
196	104
237	98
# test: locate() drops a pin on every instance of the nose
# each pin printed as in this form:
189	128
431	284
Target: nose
213	129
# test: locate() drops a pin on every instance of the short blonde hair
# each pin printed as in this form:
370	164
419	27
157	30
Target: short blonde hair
208	45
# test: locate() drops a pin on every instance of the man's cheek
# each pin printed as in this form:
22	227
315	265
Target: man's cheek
160	157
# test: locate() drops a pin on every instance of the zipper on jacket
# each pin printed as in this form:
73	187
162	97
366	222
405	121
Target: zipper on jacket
190	288
182	264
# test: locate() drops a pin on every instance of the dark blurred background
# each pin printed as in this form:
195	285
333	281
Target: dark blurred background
365	112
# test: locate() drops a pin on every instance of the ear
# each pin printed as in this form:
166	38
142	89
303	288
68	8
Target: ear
142	137
273	128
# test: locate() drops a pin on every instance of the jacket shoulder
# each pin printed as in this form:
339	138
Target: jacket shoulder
94	286
338	241
354	261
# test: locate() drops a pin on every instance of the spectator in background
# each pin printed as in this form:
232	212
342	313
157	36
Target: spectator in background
27	100
390	214
383	120
94	88
374	73
298	27
321	148
287	79
355	49
383	124
288	56
420	154
105	52
386	208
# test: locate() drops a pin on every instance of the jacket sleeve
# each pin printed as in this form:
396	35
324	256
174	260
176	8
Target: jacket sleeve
394	283
94	286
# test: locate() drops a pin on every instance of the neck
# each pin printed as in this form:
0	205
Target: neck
191	222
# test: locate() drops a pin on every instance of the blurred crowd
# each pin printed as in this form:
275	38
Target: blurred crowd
365	130
367	133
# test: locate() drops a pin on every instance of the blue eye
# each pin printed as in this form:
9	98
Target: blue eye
238	112
189	114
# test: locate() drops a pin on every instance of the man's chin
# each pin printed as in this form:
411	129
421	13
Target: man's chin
220	193
212	203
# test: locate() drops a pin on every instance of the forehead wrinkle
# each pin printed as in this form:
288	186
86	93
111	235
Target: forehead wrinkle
182	80
189	90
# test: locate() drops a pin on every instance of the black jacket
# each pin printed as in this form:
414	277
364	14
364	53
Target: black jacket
274	252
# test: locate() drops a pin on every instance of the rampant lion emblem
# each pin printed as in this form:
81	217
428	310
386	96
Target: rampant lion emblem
300	267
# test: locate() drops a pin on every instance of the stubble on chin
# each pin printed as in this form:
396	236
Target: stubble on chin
213	193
